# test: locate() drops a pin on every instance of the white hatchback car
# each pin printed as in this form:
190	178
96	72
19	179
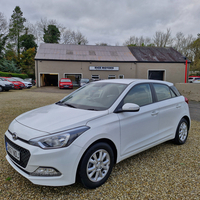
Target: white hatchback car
98	125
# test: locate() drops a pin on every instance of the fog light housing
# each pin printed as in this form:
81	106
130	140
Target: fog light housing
45	171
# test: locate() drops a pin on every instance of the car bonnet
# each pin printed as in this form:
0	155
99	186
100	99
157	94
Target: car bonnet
51	119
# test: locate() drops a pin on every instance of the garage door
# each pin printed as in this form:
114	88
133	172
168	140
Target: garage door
49	80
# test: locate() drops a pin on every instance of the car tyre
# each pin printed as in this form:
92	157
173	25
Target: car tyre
1	89
96	165
181	132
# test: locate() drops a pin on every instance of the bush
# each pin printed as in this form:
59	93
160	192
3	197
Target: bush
8	74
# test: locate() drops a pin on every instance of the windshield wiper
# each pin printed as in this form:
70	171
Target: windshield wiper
67	104
64	104
59	103
92	109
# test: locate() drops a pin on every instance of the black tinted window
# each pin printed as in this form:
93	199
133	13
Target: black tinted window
140	95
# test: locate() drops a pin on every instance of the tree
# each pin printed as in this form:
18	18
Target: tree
102	44
162	39
137	41
183	45
10	53
9	66
195	47
27	61
42	25
72	37
51	34
27	41
16	27
3	34
33	30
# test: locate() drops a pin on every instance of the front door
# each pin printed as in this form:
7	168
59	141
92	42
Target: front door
139	129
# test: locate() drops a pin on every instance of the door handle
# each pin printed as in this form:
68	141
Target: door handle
154	113
178	105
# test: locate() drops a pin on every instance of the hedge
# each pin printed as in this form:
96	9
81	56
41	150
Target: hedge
8	74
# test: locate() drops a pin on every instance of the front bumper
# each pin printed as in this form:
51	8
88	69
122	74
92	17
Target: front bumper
65	160
8	87
66	86
18	86
29	85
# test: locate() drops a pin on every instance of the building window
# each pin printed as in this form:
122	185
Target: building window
111	76
95	77
156	74
121	76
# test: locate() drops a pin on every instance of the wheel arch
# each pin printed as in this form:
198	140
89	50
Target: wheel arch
188	120
105	140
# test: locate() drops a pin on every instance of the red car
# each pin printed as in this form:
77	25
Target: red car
17	84
65	83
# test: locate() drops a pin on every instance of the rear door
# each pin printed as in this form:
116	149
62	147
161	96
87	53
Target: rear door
170	109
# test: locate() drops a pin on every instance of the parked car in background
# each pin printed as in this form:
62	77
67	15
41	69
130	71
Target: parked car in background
17	84
191	79
30	80
84	81
196	80
5	85
100	124
26	83
65	83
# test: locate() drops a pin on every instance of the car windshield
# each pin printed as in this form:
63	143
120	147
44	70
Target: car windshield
94	96
19	79
28	79
11	79
84	80
2	79
65	80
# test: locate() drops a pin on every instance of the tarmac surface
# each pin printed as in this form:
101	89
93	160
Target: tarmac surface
193	105
194	110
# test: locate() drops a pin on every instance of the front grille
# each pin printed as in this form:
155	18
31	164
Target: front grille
24	153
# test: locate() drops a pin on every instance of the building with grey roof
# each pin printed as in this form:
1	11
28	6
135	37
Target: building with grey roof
56	61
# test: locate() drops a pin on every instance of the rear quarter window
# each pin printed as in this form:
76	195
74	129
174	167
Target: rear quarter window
174	89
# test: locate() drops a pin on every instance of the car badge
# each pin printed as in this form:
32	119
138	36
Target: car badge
14	136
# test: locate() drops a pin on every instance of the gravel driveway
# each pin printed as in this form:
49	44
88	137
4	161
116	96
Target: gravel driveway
164	172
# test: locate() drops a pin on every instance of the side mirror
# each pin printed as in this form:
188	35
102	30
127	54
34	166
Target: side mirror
129	107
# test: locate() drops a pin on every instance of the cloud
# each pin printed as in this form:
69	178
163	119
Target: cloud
114	20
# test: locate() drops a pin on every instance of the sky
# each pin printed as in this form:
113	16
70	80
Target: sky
112	21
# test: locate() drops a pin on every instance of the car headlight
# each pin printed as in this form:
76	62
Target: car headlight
58	140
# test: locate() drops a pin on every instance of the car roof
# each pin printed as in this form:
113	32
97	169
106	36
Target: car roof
129	81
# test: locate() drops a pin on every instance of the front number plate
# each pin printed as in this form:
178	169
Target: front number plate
13	151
